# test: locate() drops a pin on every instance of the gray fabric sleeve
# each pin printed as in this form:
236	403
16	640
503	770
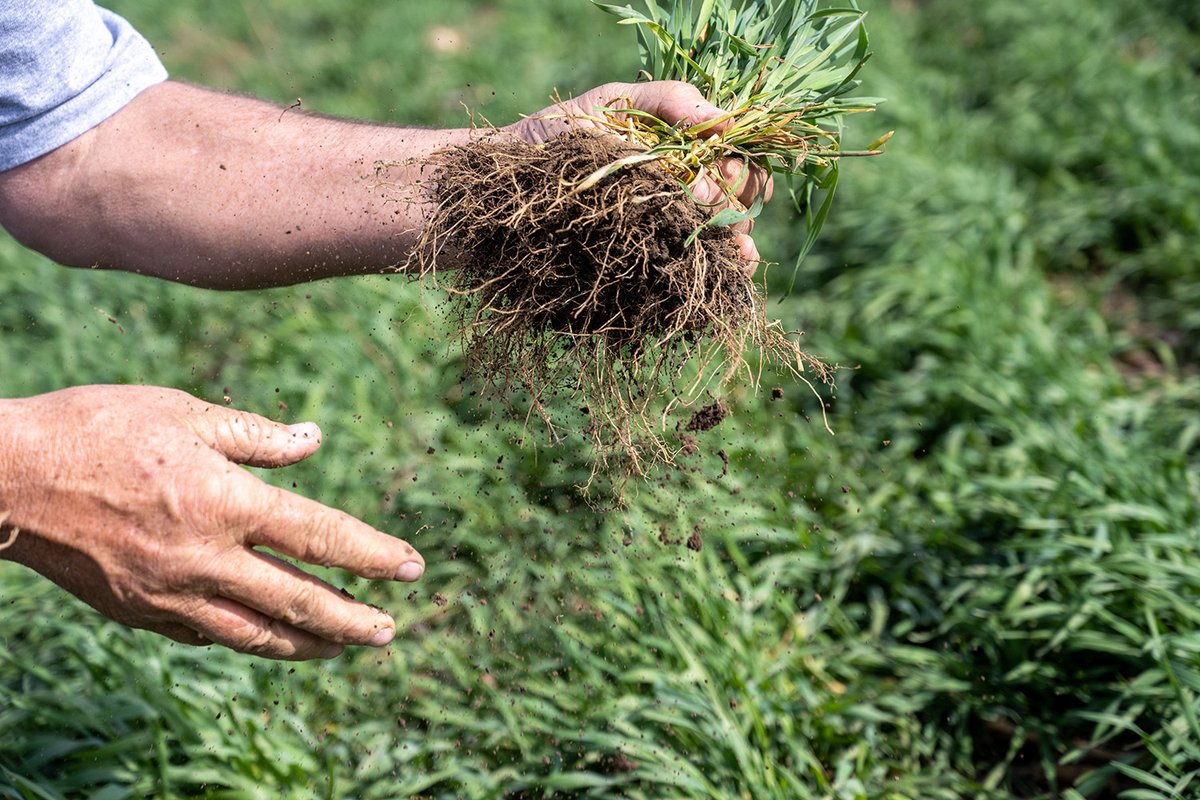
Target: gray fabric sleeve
65	67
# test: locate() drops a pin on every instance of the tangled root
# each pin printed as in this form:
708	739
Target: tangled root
597	295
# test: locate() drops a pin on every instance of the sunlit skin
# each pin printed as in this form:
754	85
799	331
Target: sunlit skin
133	497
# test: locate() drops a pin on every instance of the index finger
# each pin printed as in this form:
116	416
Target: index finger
677	102
744	180
306	530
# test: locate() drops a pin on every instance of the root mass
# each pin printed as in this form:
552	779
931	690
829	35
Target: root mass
597	294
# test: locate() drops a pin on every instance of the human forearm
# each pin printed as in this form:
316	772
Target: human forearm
224	191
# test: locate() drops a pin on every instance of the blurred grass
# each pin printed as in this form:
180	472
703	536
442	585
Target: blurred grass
985	584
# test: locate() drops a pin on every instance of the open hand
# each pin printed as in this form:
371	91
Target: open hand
130	497
672	102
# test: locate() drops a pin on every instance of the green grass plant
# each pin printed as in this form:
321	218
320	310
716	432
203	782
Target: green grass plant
782	71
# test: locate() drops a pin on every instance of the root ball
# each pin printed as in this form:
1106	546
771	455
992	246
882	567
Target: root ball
596	294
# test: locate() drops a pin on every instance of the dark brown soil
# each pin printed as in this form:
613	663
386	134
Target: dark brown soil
708	417
618	763
594	294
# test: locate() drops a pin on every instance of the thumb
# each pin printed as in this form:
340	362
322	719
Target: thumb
247	438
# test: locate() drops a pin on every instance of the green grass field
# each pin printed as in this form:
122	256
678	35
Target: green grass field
984	584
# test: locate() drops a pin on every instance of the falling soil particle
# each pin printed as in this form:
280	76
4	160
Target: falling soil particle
724	462
665	538
439	599
708	417
694	542
777	393
618	763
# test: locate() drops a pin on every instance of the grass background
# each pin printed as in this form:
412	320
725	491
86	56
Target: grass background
985	584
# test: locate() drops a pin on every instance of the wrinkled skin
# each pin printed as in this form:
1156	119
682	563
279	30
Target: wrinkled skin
132	498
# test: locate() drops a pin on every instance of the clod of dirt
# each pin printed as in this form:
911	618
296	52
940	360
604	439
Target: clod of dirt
694	541
708	417
603	295
777	393
618	763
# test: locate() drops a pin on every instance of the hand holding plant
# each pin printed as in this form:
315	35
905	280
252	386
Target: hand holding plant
606	263
675	103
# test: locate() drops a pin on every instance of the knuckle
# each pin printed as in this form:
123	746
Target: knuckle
262	640
244	433
709	192
299	606
246	630
172	575
210	499
308	610
321	546
208	485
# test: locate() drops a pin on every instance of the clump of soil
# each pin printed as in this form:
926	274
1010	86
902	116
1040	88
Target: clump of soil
707	418
607	296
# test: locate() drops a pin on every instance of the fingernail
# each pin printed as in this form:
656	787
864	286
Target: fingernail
382	637
333	651
410	571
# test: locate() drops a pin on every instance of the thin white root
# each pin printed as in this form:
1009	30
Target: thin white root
12	534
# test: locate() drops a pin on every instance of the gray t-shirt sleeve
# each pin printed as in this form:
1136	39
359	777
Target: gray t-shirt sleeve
65	67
